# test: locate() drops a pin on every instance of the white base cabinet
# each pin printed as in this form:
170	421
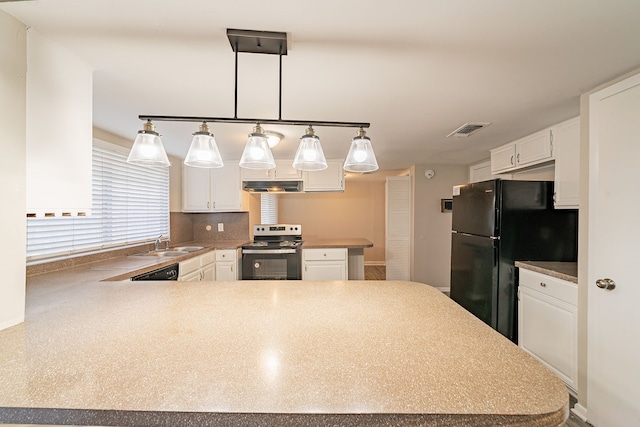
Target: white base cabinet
548	323
197	269
226	265
324	264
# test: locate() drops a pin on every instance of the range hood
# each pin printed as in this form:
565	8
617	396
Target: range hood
272	186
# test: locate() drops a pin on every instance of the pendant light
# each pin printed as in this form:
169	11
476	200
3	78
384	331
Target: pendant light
361	157
309	156
257	154
147	149
203	152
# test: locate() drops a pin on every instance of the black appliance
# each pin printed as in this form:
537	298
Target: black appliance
274	254
494	224
170	272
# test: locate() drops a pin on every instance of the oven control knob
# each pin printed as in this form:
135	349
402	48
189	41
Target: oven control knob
256	265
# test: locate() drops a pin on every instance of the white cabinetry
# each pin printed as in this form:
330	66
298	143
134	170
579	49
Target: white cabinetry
282	172
227	264
566	148
58	128
324	264
211	190
329	179
528	151
197	268
480	172
548	322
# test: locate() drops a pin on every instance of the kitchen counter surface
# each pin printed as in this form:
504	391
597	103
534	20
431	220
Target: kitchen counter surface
560	270
349	243
365	353
128	266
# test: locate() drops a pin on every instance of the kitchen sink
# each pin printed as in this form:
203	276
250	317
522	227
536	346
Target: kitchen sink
187	248
162	253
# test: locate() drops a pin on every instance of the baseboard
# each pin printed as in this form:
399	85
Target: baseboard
580	412
443	289
11	322
375	264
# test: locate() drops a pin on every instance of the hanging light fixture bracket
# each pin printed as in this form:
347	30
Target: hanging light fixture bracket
264	42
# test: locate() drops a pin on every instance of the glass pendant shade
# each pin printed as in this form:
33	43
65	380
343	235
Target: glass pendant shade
361	157
257	154
203	152
309	156
147	149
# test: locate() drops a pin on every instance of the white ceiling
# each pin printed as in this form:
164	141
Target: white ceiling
415	69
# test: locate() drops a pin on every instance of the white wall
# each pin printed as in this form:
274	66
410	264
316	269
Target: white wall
432	228
13	228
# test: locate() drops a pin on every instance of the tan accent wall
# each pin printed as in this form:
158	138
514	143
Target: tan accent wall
357	212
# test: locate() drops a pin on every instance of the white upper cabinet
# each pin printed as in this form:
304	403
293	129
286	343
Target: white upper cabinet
503	158
534	149
282	172
528	151
566	148
59	129
329	179
211	190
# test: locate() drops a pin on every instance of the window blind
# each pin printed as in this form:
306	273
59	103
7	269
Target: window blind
268	208
130	205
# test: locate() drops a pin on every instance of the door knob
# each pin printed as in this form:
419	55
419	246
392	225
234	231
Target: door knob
607	284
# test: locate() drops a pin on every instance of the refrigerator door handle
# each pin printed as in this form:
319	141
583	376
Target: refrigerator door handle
475	235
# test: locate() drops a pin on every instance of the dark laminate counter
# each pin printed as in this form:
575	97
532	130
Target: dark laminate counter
374	353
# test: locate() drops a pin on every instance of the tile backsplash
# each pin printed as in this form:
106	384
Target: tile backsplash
203	227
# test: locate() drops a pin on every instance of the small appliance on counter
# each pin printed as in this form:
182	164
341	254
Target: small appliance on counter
274	254
170	272
494	224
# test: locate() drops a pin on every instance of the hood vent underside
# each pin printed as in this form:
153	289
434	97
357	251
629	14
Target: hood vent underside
468	129
272	186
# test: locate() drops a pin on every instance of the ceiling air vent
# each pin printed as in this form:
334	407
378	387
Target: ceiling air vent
468	129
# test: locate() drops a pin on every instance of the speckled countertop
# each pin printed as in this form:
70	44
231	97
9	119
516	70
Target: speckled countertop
248	353
561	270
349	243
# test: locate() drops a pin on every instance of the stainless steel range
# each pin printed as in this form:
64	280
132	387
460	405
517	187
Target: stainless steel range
274	254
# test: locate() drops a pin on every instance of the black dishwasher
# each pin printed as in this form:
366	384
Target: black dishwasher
170	272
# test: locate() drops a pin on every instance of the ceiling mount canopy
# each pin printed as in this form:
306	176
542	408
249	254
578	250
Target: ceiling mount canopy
270	43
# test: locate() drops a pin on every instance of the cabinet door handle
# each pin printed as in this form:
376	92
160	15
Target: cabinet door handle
544	285
511	159
518	158
208	205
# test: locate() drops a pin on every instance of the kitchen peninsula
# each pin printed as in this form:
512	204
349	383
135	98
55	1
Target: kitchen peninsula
351	353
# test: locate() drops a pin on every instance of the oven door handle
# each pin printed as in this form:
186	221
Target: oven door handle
269	251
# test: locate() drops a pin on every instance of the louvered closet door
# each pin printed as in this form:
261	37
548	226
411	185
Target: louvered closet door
398	227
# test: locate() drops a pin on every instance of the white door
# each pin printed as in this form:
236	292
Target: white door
613	390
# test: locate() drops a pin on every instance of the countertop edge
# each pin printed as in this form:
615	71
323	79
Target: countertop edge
62	416
560	270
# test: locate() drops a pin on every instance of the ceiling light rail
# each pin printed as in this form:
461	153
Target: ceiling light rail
203	152
198	119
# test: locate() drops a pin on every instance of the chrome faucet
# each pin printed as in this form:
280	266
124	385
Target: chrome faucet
158	240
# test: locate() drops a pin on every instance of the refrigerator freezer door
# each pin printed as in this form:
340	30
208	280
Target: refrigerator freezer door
474	209
474	273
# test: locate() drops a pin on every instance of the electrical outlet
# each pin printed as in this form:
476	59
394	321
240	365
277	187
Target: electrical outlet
220	226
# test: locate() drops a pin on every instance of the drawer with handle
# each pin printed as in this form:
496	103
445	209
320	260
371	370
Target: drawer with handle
561	289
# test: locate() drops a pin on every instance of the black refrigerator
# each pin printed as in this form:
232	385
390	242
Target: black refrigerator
494	224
